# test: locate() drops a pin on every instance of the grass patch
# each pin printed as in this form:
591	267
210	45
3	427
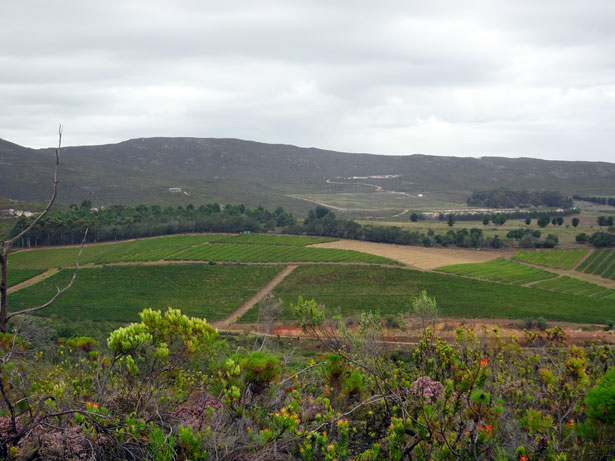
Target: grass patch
352	289
15	276
275	253
500	270
120	293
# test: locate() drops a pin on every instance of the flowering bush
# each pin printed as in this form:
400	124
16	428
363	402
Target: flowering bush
427	388
168	387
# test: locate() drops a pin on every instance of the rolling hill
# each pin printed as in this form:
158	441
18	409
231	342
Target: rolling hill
236	171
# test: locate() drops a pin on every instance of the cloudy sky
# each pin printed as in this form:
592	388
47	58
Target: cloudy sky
493	77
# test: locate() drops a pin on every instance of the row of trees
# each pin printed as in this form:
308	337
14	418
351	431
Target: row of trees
323	222
597	239
605	221
601	200
504	198
502	215
123	222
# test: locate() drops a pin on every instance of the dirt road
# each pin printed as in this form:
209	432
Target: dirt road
33	280
249	304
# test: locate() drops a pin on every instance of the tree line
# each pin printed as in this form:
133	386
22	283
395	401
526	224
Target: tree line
324	222
600	200
504	198
117	222
517	214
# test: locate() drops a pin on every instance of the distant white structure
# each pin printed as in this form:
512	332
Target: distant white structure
420	195
27	214
14	212
373	176
175	190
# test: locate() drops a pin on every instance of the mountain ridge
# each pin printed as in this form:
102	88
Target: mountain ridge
231	170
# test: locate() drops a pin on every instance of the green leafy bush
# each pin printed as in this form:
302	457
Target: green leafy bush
260	369
600	400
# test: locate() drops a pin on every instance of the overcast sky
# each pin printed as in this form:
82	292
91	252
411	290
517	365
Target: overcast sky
514	78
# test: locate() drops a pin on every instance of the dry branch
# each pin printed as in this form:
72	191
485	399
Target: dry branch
7	244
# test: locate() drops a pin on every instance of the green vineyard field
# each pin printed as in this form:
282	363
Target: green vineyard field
274	253
574	286
350	290
15	276
272	239
559	259
150	249
600	262
500	270
119	293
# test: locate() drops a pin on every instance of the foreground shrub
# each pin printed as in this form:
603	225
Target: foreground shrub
168	388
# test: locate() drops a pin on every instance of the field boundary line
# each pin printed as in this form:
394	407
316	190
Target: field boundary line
33	280
249	304
533	282
580	261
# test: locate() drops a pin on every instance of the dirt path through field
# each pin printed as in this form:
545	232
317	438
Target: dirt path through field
33	280
417	257
402	213
249	304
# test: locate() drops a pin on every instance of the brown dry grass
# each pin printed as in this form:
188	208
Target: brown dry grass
446	330
419	257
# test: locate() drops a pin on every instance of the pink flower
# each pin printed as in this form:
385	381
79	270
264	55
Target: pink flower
427	387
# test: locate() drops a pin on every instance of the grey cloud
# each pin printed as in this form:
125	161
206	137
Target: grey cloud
443	77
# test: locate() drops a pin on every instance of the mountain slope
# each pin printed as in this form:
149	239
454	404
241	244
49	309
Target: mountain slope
232	170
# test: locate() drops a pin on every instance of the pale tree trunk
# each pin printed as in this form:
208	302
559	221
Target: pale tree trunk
7	244
3	289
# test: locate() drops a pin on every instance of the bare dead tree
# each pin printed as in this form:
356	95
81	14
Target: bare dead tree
8	244
269	313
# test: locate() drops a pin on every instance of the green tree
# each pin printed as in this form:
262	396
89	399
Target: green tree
499	219
543	221
450	220
426	309
414	217
582	238
575	222
486	220
528	221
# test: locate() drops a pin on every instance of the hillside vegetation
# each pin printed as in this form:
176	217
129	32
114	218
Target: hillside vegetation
236	171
